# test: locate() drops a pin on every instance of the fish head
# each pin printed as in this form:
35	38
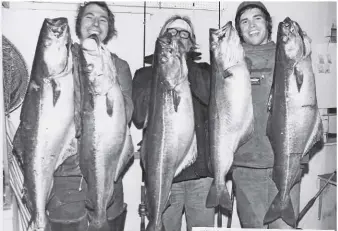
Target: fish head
55	40
225	46
292	40
170	58
98	66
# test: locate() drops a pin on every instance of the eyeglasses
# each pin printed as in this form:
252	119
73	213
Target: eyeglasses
183	33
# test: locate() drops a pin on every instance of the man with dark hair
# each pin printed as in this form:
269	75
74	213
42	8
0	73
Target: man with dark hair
67	207
190	188
253	162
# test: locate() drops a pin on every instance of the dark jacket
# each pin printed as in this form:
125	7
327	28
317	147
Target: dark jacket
257	152
199	78
70	166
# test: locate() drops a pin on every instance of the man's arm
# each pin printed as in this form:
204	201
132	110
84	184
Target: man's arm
125	80
141	95
199	78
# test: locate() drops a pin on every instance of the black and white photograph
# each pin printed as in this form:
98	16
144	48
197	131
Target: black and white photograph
168	115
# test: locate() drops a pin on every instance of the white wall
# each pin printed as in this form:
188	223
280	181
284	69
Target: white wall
315	18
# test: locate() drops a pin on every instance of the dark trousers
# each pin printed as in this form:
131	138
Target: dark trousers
255	191
67	199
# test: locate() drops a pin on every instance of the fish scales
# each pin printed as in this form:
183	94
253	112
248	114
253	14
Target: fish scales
46	126
105	141
294	125
230	108
169	142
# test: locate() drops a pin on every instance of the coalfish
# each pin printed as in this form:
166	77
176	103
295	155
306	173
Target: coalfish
46	126
294	124
105	145
169	143
230	108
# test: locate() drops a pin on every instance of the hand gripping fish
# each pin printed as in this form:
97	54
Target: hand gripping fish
170	142
294	124
105	142
47	118
230	108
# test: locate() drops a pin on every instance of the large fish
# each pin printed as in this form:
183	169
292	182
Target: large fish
230	108
47	117
105	142
294	123
170	142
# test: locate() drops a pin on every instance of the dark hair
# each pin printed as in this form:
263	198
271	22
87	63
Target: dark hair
111	20
187	20
267	18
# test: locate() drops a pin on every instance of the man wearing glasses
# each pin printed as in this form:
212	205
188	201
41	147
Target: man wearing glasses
190	188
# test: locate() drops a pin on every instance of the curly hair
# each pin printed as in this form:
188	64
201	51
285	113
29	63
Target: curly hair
188	21
266	16
111	19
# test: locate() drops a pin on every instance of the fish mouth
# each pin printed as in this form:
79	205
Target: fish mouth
217	35
95	37
288	29
91	44
57	26
167	48
291	36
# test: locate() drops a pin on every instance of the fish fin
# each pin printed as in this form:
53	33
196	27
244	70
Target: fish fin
142	150
269	106
190	157
227	74
299	77
30	225
91	100
278	209
315	136
69	146
298	177
56	91
216	198
110	104
18	148
146	120
176	99
126	154
167	204
248	134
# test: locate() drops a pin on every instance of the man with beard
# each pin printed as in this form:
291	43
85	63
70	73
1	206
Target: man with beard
190	188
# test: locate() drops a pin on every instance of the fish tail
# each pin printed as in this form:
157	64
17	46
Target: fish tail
280	209
218	197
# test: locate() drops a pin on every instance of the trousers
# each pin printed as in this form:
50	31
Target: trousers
189	197
255	191
68	195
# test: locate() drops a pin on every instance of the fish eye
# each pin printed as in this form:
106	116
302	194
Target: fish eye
89	68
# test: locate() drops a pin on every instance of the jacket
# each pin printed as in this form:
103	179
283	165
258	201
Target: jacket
199	78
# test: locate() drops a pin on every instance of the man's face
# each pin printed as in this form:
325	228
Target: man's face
254	27
182	31
94	21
